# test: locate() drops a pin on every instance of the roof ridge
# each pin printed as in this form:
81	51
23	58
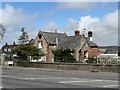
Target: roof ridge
52	32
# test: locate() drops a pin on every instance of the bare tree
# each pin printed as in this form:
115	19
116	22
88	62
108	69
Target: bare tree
2	30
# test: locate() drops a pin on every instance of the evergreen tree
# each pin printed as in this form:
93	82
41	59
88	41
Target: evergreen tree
24	51
24	38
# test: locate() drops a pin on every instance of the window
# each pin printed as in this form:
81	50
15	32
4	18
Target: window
9	49
85	54
40	36
39	45
5	49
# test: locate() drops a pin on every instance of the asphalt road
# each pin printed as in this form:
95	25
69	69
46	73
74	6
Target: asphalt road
16	77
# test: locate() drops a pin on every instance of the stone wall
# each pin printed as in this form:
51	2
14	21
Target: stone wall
70	66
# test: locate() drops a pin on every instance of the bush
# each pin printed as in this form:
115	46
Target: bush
61	55
91	60
8	58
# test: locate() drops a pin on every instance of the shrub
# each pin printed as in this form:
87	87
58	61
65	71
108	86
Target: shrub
91	60
61	55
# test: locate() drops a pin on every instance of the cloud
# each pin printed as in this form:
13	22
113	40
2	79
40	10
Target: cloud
50	26
14	19
71	26
87	21
105	30
76	5
111	20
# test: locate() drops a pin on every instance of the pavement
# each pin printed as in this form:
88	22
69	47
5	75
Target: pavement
21	77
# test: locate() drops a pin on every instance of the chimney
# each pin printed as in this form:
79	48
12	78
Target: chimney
6	44
90	35
14	43
77	33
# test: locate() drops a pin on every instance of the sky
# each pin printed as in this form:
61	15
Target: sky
99	17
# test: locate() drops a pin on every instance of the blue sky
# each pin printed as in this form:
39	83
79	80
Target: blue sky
99	10
100	17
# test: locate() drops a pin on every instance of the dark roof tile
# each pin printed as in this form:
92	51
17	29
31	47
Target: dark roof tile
66	42
51	37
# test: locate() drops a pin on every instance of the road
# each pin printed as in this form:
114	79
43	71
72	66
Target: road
17	77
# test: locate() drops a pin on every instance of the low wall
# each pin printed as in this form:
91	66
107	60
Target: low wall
70	66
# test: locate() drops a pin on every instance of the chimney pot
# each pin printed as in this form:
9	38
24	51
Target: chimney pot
90	35
14	43
6	44
77	33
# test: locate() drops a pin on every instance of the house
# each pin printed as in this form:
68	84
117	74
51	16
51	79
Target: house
109	55
7	48
7	54
81	47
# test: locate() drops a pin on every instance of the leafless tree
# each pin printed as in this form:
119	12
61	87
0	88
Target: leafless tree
2	30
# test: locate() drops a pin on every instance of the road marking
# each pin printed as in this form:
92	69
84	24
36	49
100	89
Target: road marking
110	81
114	84
42	78
80	81
75	81
110	86
34	78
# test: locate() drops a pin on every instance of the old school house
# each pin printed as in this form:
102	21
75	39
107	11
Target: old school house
81	47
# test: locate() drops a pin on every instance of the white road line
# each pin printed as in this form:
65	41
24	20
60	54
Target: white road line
110	86
42	78
34	78
110	81
114	83
73	81
80	81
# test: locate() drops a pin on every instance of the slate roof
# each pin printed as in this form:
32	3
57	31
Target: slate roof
51	37
91	43
65	42
70	42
